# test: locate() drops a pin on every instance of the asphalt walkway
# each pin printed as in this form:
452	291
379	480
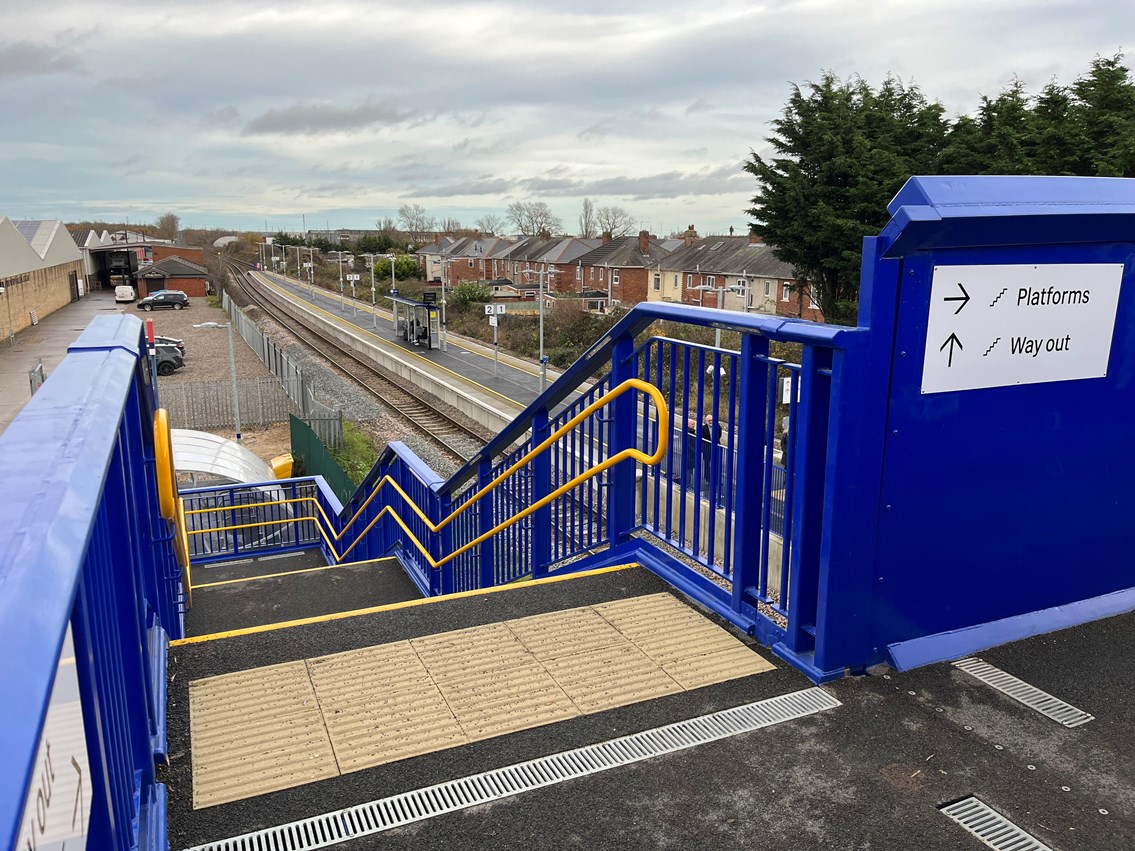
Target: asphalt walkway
46	343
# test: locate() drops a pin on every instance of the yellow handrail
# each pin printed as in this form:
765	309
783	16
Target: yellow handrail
628	453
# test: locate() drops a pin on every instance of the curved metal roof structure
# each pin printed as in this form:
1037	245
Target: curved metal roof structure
203	453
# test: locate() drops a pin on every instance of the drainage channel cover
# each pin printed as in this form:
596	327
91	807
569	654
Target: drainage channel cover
1022	692
399	810
991	827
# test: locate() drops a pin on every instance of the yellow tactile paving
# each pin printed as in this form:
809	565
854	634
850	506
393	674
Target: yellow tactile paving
610	677
687	646
506	700
254	732
561	633
272	728
381	705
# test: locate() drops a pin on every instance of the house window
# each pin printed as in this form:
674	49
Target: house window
579	273
768	288
689	280
657	282
600	274
811	301
675	284
710	280
470	262
742	284
784	292
615	277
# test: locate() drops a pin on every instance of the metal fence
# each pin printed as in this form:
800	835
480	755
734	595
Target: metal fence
209	404
325	421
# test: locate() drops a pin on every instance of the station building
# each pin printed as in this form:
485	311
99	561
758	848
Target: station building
41	270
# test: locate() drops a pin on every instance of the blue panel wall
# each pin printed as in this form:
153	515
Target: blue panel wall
1001	501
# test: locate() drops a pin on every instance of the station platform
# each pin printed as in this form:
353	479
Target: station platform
514	385
330	717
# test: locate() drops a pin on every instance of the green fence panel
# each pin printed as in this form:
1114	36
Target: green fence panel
316	459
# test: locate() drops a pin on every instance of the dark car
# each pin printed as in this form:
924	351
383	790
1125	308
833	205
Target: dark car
169	359
165	298
170	341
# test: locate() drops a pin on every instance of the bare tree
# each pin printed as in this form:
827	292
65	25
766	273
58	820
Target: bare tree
532	217
415	222
449	225
386	224
587	219
490	223
616	220
168	226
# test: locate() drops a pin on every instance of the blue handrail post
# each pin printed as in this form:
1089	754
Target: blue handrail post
541	487
622	434
444	542
751	439
487	548
808	458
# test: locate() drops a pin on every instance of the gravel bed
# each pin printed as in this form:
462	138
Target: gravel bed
206	349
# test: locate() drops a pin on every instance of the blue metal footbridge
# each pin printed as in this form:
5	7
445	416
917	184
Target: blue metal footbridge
953	476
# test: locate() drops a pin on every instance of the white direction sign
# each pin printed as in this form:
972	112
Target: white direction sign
58	806
997	326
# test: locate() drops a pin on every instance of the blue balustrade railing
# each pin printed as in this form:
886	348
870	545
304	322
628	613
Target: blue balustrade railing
731	510
91	594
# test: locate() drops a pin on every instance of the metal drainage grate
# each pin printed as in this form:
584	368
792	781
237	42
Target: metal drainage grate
991	827
1030	696
398	810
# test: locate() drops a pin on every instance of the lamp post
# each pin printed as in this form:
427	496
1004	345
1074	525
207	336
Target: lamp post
232	370
446	265
542	274
393	291
373	300
720	306
342	302
311	272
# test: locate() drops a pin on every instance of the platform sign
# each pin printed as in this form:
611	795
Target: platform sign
1003	325
58	805
498	309
353	277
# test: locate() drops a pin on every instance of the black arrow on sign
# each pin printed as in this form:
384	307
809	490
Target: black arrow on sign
951	341
963	298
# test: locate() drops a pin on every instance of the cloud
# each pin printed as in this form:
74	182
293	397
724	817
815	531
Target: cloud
27	59
313	119
702	104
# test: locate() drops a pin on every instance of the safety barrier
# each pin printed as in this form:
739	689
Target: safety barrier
91	595
607	475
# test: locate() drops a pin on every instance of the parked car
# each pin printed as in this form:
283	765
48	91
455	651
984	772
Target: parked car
124	294
164	298
169	359
170	341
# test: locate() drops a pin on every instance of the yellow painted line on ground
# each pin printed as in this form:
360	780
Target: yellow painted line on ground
388	607
285	573
399	349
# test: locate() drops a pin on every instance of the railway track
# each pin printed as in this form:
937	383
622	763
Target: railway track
450	435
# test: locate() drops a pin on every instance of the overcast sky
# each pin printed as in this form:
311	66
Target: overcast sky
238	113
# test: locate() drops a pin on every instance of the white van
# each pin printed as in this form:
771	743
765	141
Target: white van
124	294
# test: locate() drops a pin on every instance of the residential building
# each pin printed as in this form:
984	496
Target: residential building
625	268
731	272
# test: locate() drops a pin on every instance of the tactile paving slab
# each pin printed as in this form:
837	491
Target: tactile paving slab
272	728
254	732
